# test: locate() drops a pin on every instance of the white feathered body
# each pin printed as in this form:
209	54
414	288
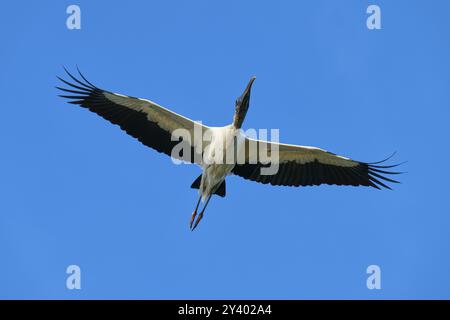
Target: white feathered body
216	165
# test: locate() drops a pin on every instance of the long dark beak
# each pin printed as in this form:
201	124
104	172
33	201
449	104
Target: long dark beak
249	86
242	104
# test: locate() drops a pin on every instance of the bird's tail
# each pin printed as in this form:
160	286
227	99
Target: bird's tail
221	190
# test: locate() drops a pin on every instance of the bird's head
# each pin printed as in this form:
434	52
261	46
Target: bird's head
242	104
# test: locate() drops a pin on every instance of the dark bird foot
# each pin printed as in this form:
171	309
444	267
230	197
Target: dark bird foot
200	216
194	214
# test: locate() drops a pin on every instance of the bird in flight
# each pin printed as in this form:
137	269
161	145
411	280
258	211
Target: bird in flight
177	136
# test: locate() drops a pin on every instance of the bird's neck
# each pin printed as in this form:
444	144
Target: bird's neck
239	116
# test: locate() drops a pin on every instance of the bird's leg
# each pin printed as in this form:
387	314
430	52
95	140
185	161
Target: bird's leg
194	214
200	216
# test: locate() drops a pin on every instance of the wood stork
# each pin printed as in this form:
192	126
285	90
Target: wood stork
154	126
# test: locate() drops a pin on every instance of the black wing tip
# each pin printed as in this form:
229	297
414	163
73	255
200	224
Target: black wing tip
84	78
375	173
81	88
388	158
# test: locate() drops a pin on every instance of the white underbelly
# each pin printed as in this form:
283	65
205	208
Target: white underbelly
219	167
213	176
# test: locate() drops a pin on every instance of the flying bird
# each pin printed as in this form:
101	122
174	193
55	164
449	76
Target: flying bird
156	127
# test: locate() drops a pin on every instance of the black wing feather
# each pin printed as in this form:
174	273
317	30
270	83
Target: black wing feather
133	122
315	173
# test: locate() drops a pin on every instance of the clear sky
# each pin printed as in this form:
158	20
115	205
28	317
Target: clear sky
77	190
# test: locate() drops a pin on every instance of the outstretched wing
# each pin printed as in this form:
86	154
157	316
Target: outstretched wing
150	123
309	166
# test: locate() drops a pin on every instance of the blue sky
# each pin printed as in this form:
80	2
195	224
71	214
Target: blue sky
77	190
